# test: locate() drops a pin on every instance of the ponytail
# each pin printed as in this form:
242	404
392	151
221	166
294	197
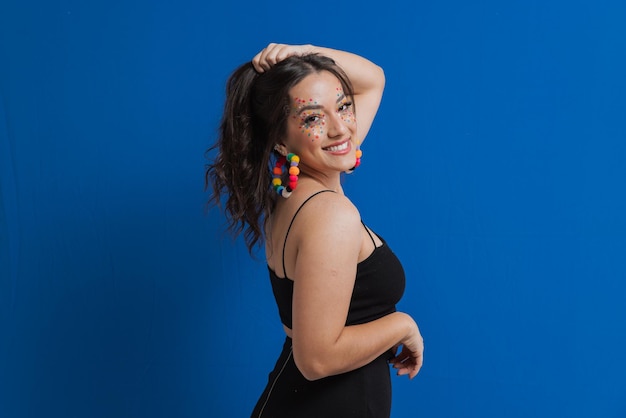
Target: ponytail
254	121
240	169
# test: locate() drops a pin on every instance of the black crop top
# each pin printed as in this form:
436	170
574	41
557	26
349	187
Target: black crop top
379	285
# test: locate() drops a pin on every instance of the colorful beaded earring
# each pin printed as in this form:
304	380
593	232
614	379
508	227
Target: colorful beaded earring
359	154
277	182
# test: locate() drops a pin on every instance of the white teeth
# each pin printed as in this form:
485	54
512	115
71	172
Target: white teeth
338	147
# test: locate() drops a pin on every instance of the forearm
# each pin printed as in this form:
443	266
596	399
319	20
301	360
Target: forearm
368	82
364	75
356	346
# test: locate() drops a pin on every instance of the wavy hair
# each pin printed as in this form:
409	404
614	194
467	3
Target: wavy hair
254	121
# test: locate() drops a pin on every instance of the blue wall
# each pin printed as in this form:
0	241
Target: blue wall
495	169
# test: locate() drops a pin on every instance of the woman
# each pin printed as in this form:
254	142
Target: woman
288	132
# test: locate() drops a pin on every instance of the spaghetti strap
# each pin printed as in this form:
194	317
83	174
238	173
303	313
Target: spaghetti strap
368	233
291	223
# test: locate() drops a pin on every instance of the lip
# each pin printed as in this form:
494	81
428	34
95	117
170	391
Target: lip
338	143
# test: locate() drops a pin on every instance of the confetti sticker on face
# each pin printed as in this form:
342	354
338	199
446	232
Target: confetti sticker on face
345	107
346	111
309	116
321	130
297	104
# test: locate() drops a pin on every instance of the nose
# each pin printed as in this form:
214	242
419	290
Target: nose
336	126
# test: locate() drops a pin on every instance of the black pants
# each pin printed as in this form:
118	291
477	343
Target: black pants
361	393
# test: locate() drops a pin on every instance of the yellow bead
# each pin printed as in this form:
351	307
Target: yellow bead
295	159
276	182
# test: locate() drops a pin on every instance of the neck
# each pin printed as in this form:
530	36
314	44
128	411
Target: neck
327	182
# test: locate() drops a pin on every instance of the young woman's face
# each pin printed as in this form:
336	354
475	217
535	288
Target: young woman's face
321	125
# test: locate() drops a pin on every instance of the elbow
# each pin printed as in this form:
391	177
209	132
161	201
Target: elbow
311	369
380	78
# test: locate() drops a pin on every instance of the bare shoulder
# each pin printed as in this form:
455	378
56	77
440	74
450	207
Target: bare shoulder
330	224
330	210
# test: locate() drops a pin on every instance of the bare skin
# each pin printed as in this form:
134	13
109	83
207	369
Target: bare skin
327	241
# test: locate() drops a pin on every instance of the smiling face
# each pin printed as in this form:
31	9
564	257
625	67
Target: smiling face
321	125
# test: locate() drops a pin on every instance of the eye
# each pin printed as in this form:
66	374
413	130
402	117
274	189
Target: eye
345	106
311	119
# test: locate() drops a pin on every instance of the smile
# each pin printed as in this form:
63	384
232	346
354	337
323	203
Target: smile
336	148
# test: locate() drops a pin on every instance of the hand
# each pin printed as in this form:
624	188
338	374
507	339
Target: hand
275	53
409	360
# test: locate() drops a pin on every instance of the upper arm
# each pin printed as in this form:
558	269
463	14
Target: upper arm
367	100
324	274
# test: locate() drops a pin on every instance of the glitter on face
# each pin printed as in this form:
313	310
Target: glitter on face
312	121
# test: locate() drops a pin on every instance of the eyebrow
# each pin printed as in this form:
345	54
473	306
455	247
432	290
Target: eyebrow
310	107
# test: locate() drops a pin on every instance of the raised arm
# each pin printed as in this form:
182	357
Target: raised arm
367	78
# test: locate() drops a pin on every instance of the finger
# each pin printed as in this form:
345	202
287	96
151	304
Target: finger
405	365
402	358
398	361
270	55
257	64
408	369
285	52
414	371
419	361
263	64
260	60
403	371
408	364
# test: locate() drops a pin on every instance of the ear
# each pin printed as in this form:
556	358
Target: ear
281	149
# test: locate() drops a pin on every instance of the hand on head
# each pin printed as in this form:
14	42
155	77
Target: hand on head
275	53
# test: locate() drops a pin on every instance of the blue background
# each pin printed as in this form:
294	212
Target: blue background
495	170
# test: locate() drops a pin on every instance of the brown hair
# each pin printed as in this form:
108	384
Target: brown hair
254	121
